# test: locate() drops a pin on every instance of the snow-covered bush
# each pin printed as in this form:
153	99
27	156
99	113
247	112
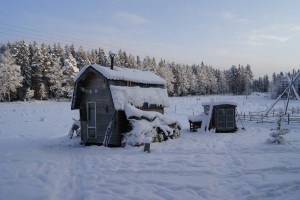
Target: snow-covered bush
149	124
29	94
277	134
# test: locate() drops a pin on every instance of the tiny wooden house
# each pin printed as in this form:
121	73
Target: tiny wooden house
100	93
219	115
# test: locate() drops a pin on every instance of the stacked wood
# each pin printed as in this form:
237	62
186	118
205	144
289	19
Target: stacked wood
149	124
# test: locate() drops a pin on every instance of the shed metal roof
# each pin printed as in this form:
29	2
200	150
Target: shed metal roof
125	74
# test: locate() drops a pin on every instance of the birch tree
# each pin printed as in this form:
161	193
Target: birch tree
10	75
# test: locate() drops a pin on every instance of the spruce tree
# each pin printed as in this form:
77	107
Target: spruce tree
36	62
81	58
102	59
56	88
21	55
69	71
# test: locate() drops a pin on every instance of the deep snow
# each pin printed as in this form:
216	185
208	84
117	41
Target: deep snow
38	161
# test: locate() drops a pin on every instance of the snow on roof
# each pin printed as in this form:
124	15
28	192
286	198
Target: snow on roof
137	96
197	118
217	103
125	74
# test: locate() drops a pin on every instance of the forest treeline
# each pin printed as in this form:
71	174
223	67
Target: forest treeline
47	71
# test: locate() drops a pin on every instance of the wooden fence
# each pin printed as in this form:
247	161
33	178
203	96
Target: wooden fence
293	116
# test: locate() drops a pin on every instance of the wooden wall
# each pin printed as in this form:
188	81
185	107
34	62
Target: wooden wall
104	108
96	89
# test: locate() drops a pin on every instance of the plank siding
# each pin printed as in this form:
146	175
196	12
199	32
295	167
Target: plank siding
100	94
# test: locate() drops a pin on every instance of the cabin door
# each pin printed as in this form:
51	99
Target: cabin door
225	118
91	120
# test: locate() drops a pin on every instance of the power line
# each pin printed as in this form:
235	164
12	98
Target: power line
47	35
39	35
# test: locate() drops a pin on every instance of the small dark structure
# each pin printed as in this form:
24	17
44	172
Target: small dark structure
220	115
100	94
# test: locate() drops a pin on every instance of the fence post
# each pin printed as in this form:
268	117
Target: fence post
244	116
288	118
250	116
262	118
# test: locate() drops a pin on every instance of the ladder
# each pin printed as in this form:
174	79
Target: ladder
108	131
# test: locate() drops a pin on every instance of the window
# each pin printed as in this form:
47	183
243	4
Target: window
230	118
103	85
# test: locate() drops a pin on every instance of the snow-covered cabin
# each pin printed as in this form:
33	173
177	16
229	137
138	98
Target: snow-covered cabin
218	115
101	93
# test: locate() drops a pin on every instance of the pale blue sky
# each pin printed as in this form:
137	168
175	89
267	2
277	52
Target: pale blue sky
262	33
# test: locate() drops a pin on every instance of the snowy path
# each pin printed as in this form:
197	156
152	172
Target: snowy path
38	161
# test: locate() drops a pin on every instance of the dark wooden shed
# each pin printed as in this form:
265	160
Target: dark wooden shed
100	93
219	115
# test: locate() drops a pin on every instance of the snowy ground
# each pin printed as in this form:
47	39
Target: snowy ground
38	161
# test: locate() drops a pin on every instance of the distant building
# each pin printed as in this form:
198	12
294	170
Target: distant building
101	93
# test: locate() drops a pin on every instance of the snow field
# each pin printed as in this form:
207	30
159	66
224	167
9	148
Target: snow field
38	161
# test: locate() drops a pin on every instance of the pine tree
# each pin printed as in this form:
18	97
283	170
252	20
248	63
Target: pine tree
42	92
203	80
248	78
183	85
138	63
81	58
92	56
164	70
232	77
72	50
149	64
21	55
132	62
46	65
56	88
175	71
10	75
69	71
102	59
266	83
212	81
36	62
57	53
222	86
122	59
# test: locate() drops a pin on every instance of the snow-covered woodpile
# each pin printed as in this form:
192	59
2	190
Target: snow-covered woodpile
149	126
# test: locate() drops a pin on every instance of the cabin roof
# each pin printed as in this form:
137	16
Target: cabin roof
125	74
137	96
149	92
217	103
